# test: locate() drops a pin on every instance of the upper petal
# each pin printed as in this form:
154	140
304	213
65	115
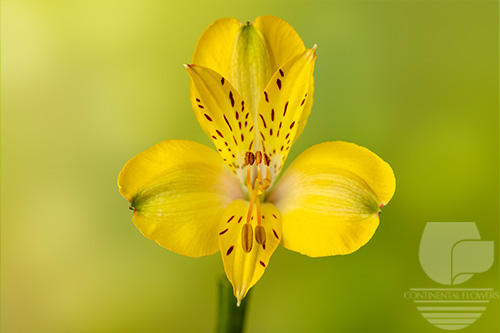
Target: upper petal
281	39
225	116
330	198
281	107
247	54
215	47
179	190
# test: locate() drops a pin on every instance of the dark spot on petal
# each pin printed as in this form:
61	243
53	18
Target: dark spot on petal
274	214
230	219
262	263
286	107
278	82
201	106
263	121
272	114
230	250
214	137
281	73
208	117
267	98
275	234
242	137
237	115
231	98
222	81
240	219
227	122
291	126
263	137
302	103
220	134
223	232
198	100
270	132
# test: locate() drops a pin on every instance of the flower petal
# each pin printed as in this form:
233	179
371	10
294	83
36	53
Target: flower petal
222	111
306	111
215	47
179	190
244	269
281	39
330	198
247	54
281	107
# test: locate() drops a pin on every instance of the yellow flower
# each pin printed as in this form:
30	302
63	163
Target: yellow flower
251	90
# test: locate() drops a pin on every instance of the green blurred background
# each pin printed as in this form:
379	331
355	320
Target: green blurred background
86	85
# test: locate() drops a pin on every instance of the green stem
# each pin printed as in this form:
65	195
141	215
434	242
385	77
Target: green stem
231	318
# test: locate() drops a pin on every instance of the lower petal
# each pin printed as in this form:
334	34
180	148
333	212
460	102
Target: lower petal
330	198
245	267
179	190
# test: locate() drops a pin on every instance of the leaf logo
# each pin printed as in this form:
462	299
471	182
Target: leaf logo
452	252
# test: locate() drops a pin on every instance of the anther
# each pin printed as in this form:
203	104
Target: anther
249	158
258	157
267	160
266	182
260	235
247	237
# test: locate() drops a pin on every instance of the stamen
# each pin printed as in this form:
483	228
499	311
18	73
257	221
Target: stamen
249	158
260	235
266	182
258	157
257	211
247	237
267	160
249	181
250	207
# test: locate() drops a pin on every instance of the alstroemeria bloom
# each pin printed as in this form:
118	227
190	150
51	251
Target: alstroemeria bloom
251	89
